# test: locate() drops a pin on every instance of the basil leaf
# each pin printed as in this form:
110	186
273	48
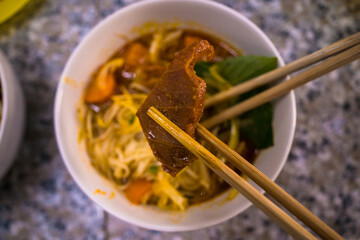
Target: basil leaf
202	69
255	125
258	127
239	69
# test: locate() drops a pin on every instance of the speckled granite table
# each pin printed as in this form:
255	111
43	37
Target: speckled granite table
39	199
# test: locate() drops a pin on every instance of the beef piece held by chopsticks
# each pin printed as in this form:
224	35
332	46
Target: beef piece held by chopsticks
180	96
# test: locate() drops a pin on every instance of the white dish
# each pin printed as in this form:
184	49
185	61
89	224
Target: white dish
12	123
100	44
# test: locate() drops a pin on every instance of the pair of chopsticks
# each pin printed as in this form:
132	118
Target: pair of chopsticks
240	184
342	52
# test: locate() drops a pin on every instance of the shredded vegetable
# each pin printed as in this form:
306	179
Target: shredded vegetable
155	46
119	150
218	81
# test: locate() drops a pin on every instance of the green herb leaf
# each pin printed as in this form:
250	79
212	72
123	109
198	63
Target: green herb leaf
132	119
153	169
202	69
213	85
258	127
242	68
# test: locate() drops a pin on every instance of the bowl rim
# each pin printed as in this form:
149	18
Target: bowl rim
60	93
5	99
13	115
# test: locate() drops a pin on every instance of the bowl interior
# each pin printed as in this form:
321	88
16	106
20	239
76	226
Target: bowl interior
101	43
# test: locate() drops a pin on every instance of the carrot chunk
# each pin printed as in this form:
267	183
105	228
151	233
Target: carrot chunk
104	85
135	54
101	89
137	190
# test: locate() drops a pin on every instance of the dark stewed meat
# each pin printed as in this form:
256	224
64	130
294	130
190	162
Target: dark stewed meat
180	96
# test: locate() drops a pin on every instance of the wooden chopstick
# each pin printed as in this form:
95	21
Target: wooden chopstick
279	194
281	72
285	87
221	169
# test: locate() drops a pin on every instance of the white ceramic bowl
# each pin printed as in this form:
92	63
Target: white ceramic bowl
101	43
12	123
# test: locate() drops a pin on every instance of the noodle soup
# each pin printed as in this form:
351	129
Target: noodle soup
113	136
